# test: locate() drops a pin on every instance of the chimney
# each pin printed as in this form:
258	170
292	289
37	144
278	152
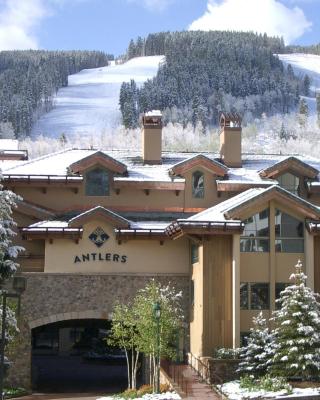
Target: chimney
230	139
152	137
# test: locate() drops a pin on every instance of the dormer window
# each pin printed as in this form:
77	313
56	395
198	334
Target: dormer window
289	182
198	185
97	182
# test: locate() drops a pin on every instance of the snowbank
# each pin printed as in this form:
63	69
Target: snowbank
162	396
234	392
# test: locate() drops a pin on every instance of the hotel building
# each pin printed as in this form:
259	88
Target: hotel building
96	225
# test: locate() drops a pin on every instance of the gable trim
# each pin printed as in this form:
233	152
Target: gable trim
98	159
114	219
199	161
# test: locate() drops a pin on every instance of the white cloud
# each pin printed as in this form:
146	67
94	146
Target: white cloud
152	5
18	19
262	16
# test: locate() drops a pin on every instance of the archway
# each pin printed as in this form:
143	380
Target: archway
71	355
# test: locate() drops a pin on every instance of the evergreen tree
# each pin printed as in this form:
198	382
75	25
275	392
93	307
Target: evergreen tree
283	133
254	355
303	113
295	349
8	252
306	85
318	107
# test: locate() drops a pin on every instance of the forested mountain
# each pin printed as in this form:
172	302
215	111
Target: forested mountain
206	72
30	79
312	49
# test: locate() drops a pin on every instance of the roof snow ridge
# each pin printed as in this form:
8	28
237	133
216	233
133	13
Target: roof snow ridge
33	160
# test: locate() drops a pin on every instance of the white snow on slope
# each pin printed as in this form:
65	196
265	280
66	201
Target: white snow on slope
90	103
305	64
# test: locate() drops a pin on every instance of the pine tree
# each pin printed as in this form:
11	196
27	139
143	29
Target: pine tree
303	113
318	107
306	85
295	349
7	251
255	355
283	133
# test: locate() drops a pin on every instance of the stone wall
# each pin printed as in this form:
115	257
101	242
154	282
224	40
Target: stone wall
58	297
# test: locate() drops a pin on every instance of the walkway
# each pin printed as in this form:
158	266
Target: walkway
192	385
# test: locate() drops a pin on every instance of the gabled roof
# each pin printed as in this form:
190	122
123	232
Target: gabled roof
98	158
289	164
254	197
199	160
226	217
99	212
34	210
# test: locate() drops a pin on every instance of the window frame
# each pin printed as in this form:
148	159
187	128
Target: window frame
252	238
280	239
201	189
249	300
89	193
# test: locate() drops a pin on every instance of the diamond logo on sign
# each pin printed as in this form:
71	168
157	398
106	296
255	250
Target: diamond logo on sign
98	237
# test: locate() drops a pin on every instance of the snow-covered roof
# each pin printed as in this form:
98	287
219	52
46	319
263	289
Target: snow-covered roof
153	113
58	163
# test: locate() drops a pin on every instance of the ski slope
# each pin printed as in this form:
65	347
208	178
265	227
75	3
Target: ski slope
89	105
305	64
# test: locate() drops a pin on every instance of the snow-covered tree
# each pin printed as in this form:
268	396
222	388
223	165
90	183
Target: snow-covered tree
8	252
254	355
295	348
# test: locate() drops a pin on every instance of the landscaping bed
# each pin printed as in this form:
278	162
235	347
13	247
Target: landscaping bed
233	391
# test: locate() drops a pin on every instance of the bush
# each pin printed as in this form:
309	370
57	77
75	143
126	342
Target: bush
164	388
267	383
226	354
145	389
129	394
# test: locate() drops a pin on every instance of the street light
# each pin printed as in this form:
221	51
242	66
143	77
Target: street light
157	315
18	284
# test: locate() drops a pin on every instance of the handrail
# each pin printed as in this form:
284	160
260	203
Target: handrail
204	371
176	373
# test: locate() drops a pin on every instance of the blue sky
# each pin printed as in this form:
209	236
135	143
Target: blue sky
108	25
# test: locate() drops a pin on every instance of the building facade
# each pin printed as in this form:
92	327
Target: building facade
97	225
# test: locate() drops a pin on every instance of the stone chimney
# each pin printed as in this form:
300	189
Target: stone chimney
152	137
230	139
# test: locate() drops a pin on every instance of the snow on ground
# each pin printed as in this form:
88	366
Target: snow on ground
162	396
90	103
305	64
234	392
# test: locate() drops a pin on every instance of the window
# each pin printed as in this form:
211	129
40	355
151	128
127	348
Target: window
192	292
198	185
280	286
194	253
289	182
97	182
289	233
255	236
254	296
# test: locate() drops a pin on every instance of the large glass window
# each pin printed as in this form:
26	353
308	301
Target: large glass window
254	296
198	185
289	233
289	182
255	236
97	182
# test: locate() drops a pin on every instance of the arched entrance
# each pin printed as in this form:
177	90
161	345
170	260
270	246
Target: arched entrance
71	355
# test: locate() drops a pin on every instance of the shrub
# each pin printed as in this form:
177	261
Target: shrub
267	383
164	388
129	394
226	354
145	389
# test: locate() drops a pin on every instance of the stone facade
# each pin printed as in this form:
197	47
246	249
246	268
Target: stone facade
58	297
